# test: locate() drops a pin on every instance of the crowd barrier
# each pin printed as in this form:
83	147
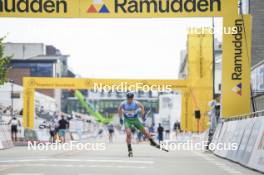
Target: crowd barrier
77	130
81	130
42	135
248	135
5	137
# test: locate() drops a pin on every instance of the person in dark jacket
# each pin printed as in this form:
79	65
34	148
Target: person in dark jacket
63	125
160	131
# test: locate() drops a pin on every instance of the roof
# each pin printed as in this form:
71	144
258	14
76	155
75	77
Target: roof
41	58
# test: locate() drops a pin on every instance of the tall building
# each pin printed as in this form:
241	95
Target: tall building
255	8
38	60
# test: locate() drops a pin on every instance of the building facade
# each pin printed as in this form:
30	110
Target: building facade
256	10
108	102
38	60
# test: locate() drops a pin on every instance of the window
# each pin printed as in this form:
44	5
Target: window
37	69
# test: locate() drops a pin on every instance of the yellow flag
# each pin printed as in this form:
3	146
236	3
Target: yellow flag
236	67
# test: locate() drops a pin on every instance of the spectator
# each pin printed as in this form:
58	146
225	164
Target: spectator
177	127
110	128
167	132
14	128
160	131
63	125
214	116
53	132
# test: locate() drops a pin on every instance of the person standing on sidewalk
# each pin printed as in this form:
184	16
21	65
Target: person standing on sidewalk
214	116
160	132
177	128
52	128
14	128
111	131
63	125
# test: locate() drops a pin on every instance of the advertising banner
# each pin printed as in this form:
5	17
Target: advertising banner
217	133
221	139
252	140
237	137
257	78
1	138
257	157
243	145
116	8
236	67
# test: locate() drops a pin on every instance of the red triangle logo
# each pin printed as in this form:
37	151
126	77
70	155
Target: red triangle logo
92	9
239	92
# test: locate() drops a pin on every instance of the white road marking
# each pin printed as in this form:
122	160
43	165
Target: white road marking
219	164
23	174
77	165
234	172
80	160
223	166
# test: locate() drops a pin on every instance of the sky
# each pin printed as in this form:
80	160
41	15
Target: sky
112	48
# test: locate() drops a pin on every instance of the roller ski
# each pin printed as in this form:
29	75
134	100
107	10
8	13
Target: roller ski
130	154
156	145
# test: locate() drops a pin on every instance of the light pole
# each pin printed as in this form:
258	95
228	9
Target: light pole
213	25
12	98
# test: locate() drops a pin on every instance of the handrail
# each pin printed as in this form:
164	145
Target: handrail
245	116
257	65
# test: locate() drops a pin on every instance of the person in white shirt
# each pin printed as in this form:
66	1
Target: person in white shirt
14	122
52	128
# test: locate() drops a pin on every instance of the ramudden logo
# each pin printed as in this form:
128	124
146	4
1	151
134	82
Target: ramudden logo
238	89
98	6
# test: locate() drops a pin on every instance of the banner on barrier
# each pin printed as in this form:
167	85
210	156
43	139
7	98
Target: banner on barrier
243	145
221	138
257	156
237	137
248	134
1	138
257	78
225	138
236	67
217	134
251	141
5	137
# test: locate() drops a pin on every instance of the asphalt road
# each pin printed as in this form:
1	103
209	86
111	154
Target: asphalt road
114	160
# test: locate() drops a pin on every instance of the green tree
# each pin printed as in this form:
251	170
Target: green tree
4	63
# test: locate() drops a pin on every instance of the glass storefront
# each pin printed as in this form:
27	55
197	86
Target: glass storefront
37	69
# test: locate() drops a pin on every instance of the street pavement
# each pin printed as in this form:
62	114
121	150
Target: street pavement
146	161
